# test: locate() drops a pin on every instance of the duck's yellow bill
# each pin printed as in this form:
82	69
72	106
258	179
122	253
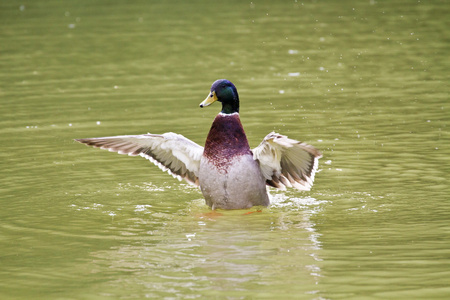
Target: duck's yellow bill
209	100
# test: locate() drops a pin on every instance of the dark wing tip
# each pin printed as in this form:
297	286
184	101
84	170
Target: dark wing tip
93	142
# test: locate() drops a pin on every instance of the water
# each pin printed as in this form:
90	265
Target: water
366	82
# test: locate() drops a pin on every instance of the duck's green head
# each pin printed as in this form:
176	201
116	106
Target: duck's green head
223	91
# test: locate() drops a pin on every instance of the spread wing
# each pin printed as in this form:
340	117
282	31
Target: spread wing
171	152
287	163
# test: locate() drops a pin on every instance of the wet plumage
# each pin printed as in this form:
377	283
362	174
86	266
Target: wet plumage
229	173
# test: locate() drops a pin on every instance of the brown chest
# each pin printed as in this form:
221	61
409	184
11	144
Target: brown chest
226	140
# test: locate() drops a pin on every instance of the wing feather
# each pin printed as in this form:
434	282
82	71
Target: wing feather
285	162
171	152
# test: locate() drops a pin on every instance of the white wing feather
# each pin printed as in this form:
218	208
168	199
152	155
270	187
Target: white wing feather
171	152
285	162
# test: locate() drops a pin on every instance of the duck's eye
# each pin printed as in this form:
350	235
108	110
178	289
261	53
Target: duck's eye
210	95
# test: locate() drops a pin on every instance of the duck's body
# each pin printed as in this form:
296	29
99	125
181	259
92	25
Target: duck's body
229	173
227	164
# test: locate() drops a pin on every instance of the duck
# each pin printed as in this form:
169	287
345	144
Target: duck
228	172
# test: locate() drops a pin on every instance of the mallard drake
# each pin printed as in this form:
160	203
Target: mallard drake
229	173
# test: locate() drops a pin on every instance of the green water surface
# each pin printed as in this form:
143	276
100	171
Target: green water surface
366	82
